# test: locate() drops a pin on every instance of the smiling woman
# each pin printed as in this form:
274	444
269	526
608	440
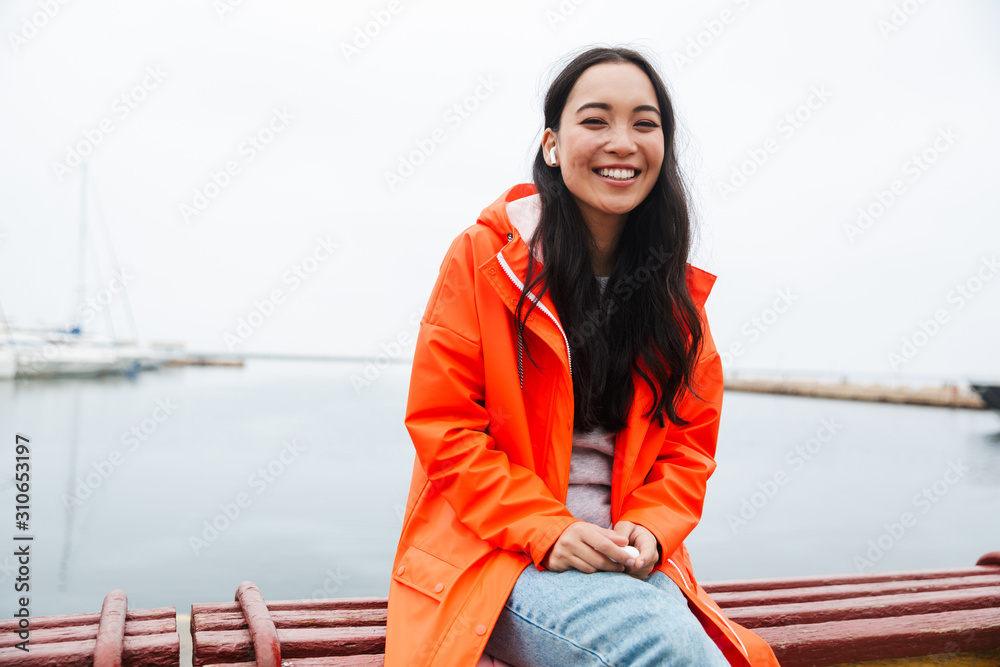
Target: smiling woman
531	480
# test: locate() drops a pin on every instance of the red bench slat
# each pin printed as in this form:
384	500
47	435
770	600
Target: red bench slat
785	595
229	646
72	633
735	585
879	606
341	661
295	605
818	644
91	618
298	619
139	651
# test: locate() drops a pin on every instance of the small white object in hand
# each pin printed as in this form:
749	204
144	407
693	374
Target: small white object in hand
632	552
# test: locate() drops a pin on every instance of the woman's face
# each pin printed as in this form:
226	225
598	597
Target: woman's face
611	121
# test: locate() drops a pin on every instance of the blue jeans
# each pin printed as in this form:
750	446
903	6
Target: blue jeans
608	619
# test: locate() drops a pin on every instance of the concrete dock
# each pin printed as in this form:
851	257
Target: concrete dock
945	396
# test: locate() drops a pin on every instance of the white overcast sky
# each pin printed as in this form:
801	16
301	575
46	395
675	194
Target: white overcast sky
880	96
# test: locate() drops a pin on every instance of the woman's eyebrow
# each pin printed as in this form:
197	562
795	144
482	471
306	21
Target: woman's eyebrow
607	107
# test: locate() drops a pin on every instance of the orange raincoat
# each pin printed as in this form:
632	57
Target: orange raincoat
491	472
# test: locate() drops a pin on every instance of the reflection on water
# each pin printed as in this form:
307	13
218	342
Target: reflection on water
177	485
74	447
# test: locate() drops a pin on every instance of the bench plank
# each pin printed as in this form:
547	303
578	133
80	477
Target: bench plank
766	584
322	618
229	646
90	618
341	661
294	605
816	593
968	659
880	606
49	635
139	651
818	644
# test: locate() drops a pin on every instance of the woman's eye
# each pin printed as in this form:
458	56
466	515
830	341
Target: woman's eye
592	120
647	123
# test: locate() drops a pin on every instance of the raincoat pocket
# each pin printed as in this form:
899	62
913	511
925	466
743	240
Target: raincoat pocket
426	573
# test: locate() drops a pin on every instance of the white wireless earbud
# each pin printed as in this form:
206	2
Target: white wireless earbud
552	156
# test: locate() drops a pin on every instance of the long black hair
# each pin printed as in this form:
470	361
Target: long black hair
645	319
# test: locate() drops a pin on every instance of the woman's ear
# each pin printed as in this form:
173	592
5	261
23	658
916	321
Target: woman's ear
549	147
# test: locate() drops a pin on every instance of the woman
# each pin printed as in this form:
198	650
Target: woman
530	477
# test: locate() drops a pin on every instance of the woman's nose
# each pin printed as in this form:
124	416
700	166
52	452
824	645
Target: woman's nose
621	141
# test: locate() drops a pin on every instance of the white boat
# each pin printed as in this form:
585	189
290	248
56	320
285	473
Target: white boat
42	353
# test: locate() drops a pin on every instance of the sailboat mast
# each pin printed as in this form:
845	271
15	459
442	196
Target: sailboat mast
82	245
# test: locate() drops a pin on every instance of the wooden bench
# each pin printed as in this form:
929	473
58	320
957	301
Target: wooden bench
112	638
930	615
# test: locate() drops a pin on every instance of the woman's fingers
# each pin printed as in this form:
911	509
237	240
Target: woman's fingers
602	548
585	552
582	565
586	547
627	530
608	547
611	545
646	544
618	555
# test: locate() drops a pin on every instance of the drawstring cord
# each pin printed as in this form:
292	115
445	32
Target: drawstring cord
520	351
520	340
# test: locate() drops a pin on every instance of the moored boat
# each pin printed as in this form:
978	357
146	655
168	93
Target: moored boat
990	393
48	354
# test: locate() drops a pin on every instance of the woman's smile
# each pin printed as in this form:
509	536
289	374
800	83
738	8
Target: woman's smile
618	176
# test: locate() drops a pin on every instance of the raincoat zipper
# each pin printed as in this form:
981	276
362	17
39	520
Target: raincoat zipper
539	304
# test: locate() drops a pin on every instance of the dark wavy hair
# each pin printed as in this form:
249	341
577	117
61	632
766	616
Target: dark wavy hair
645	319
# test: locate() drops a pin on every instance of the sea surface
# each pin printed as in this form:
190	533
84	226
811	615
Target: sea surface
179	484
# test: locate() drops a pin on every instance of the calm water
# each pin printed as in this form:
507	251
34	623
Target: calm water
304	479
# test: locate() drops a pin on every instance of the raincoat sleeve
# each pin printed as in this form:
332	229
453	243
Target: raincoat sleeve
669	502
504	503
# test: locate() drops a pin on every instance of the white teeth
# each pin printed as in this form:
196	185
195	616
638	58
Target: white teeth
618	174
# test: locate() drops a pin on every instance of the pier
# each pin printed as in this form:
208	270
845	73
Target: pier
944	396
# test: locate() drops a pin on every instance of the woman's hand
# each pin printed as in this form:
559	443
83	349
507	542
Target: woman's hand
643	540
587	547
